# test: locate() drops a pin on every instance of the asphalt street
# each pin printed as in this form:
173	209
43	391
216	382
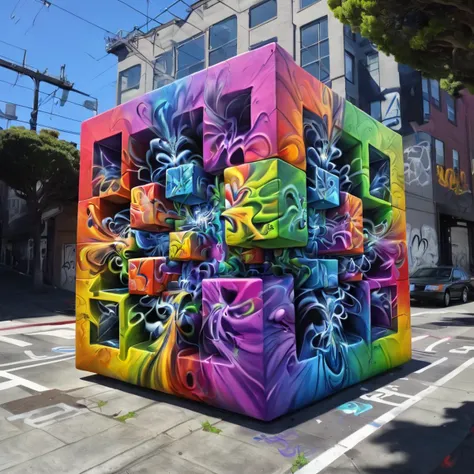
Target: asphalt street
418	418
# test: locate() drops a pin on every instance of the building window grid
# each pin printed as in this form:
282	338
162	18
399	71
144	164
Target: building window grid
223	40
373	66
455	161
315	49
262	12
435	93
426	99
129	79
451	109
185	54
163	71
263	43
349	62
307	3
439	150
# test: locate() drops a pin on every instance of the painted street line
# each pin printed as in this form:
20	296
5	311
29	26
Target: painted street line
29	361
419	338
14	342
21	326
462	350
29	328
381	395
439	312
37	365
65	349
20	382
46	416
62	333
328	457
432	346
34	357
436	362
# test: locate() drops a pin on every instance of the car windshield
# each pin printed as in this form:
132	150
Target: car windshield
435	273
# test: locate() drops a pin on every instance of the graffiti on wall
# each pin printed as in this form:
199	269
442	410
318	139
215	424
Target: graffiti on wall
68	267
452	180
422	246
418	164
242	240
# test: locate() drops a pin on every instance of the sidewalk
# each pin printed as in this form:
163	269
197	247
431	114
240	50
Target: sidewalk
19	300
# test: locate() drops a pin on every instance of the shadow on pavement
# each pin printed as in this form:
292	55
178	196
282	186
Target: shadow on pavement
283	423
466	320
423	448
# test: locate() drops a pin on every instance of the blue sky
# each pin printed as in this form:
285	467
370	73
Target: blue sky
52	37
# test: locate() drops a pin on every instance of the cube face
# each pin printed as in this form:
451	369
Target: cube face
187	184
150	210
150	276
242	236
265	205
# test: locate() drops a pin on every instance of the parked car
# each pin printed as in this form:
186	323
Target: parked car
440	284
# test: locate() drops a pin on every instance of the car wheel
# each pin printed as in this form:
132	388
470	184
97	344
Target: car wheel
465	295
446	299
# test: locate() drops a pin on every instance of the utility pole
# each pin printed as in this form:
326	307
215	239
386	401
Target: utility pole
39	77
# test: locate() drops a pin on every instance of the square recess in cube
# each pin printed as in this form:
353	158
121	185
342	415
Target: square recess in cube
323	188
151	276
343	233
105	328
189	245
150	210
265	205
187	184
317	273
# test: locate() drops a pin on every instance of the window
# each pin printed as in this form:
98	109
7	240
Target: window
451	103
315	49
263	43
163	72
348	33
426	100
376	110
349	62
307	3
435	96
373	66
190	56
439	147
129	81
455	161
457	275
223	40
263	12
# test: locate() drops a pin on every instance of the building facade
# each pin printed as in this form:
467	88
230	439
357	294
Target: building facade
438	129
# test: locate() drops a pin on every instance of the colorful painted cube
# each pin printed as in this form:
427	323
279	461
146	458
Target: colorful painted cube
235	291
189	245
187	184
150	210
150	276
265	205
343	231
323	188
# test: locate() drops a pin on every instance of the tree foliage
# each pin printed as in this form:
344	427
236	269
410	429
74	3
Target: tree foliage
435	37
43	170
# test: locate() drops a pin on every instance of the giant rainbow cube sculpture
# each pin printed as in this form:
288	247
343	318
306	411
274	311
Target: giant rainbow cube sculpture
241	240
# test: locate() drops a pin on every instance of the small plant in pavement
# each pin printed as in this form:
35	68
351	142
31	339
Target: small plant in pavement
206	426
123	418
300	461
101	404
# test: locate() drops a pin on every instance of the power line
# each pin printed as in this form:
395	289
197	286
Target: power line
44	93
12	45
44	2
138	11
42	111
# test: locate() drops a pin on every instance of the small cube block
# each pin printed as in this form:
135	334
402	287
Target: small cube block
265	205
189	245
187	184
150	210
317	273
150	276
323	188
343	233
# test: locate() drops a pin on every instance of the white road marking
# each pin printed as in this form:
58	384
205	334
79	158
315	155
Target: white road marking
23	330
46	416
432	346
419	338
14	342
436	362
439	312
37	365
328	457
62	333
21	382
33	356
462	350
29	361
